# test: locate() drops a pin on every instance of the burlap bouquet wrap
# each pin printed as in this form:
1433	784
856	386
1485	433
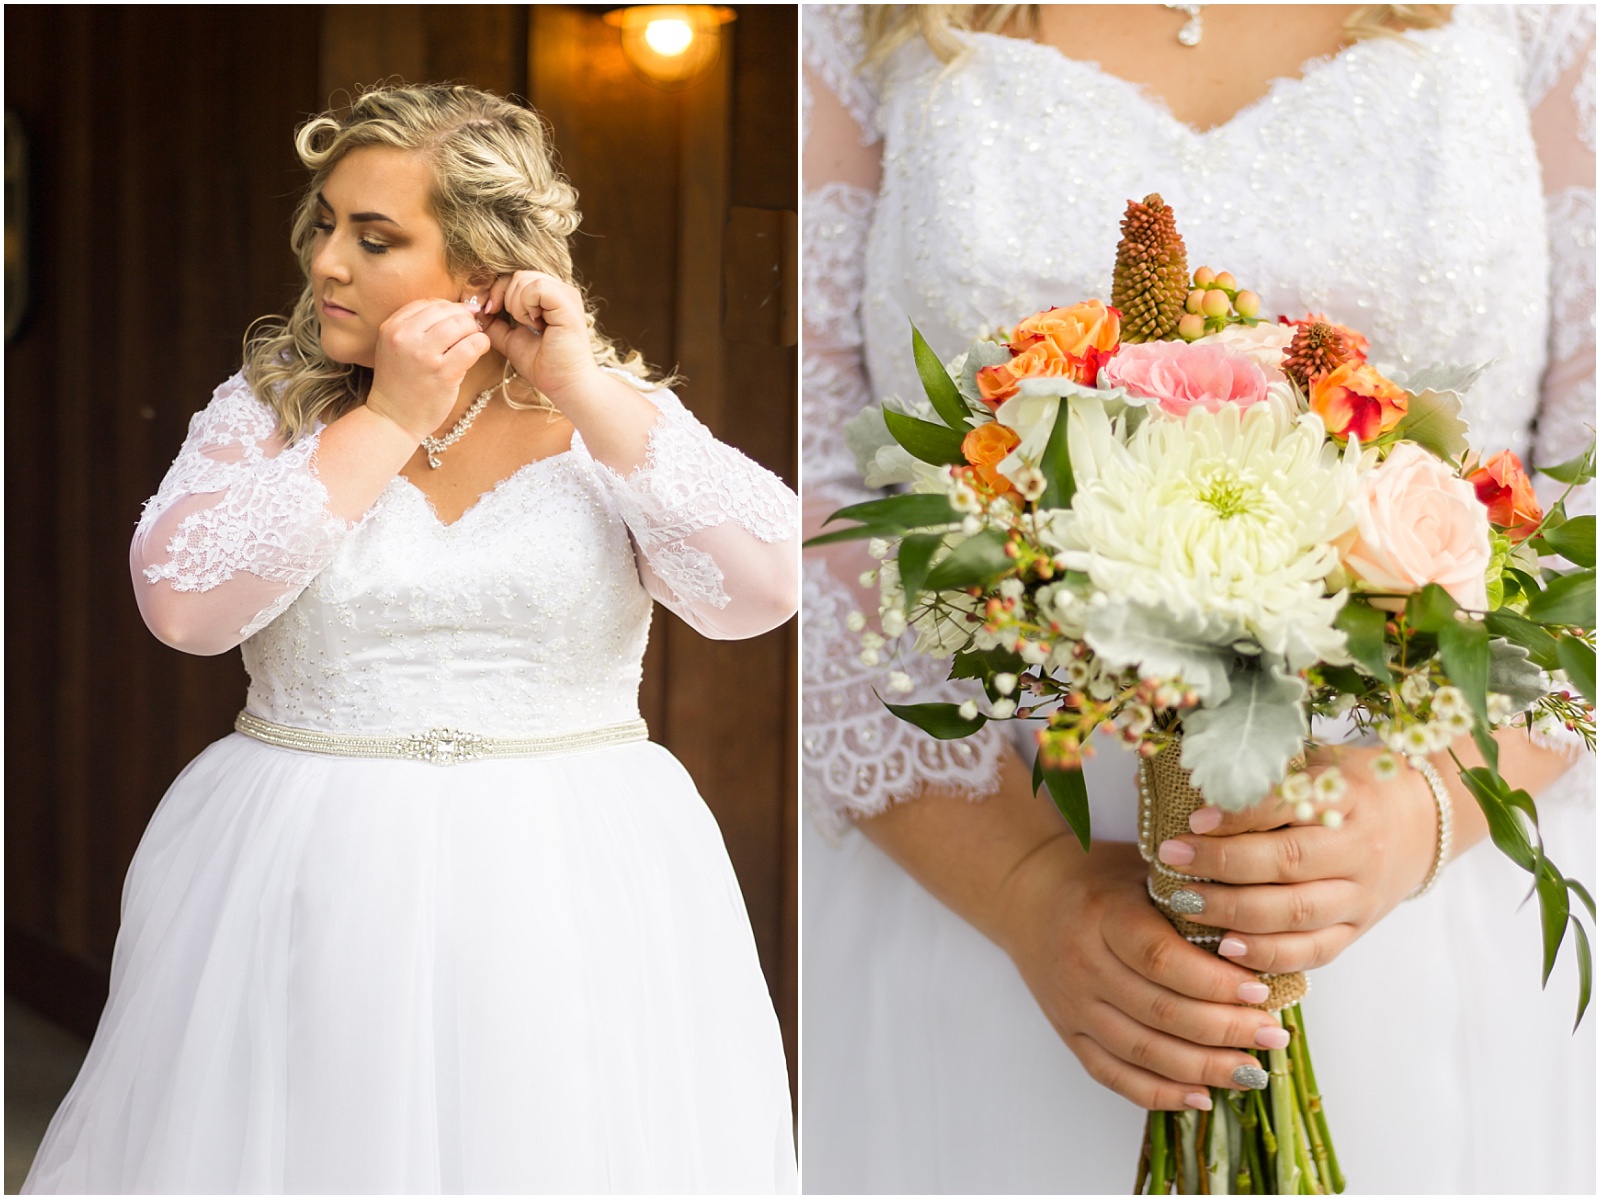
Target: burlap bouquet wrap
1166	798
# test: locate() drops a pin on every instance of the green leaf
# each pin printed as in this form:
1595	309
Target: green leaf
1430	609
943	721
924	440
941	388
1240	749
1071	798
1573	470
1585	971
1464	651
1038	772
1433	421
1566	600
1345	679
1056	465
902	511
1573	540
1505	826
916	552
1577	659
1577	889
855	533
1362	625
1553	913
976	562
1519	630
985	663
1483	738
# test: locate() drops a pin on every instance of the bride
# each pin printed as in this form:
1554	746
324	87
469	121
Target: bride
439	918
978	992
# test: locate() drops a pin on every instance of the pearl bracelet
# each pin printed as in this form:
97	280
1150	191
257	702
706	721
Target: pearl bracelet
1441	799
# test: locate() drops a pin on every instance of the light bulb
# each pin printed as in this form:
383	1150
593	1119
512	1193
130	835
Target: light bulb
669	38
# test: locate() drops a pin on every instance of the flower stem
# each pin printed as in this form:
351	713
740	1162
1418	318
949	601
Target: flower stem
1281	1089
1328	1162
1144	1157
1202	1144
1158	1153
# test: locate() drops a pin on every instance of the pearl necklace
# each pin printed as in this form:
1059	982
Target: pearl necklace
1189	35
438	445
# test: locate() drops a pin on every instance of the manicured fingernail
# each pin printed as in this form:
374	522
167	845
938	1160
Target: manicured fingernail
1198	1099
1186	902
1272	1037
1253	992
1175	853
1203	820
1232	947
1253	1077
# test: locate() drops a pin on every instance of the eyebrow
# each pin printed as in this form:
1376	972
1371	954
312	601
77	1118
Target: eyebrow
363	216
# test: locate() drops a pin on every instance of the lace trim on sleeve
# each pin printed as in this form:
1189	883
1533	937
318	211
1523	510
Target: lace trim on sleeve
1550	37
858	758
1583	101
272	519
689	481
1566	418
832	44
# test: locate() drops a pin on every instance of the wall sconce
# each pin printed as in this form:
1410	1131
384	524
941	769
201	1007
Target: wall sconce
670	45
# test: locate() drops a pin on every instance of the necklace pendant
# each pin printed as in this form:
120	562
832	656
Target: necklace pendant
433	462
1189	35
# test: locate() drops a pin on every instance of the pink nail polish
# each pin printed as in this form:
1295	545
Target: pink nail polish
1232	947
1253	992
1175	853
1272	1037
1198	1099
1203	820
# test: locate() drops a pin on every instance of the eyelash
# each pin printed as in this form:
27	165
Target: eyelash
371	247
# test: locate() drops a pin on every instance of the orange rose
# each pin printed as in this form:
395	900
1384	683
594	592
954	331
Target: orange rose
1503	487
984	447
1075	331
1356	401
1041	360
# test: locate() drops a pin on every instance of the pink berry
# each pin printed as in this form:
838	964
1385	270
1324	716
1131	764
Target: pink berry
1226	280
1191	326
1192	304
1203	276
1215	303
1247	303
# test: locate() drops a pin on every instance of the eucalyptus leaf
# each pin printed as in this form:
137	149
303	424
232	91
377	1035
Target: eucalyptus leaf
1433	421
1573	470
1071	797
924	440
938	384
1238	750
1577	659
976	562
1566	600
1464	651
1514	675
979	355
943	721
1196	647
1362	625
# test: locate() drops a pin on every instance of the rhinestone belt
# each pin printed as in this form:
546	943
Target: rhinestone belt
441	747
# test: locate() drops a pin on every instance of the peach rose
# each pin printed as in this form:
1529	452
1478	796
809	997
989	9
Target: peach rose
984	447
1182	376
1263	344
1056	343
1417	523
1356	401
1503	488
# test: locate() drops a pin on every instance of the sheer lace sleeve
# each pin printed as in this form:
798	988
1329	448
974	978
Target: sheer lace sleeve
1557	47
717	535
857	758
239	527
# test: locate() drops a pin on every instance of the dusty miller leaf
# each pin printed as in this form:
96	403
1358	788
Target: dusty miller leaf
1238	750
1197	647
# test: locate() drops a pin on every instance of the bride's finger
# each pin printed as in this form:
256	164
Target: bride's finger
1168	1056
1296	854
1301	907
1284	953
497	294
1222	1025
1139	1087
1154	951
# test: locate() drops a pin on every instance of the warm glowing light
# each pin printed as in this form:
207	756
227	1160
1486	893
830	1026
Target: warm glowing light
668	38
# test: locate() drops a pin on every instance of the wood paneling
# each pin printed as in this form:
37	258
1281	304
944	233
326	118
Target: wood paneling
164	179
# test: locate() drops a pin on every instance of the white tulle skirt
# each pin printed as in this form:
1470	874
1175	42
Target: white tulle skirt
928	1067
342	976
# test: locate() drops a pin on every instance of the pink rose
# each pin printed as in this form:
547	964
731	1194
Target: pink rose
1263	344
1417	523
1182	376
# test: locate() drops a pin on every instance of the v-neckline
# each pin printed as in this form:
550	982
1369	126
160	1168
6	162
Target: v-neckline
488	495
1157	104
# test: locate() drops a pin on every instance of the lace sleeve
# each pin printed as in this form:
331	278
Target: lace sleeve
857	758
1557	49
717	535
238	528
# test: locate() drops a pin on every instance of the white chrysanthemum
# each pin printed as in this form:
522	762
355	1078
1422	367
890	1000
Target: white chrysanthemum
1232	512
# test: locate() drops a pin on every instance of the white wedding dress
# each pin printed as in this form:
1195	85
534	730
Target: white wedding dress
338	975
1396	186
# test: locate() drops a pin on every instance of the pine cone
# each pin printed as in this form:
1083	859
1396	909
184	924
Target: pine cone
1151	279
1317	349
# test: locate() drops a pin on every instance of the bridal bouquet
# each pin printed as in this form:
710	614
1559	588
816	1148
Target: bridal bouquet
1173	522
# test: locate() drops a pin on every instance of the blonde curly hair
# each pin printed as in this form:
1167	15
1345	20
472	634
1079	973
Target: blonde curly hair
889	26
498	197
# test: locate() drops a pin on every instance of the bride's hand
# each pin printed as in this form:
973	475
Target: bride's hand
548	342
1293	895
1149	1015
